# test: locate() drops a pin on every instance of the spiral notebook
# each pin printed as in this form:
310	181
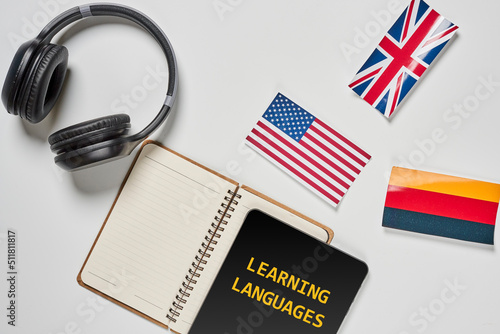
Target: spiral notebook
270	285
168	233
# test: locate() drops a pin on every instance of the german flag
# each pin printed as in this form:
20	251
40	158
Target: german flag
441	205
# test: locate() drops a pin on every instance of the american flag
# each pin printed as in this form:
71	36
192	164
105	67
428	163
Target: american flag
308	149
403	55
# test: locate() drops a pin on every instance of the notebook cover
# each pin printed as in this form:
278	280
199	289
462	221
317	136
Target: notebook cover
250	296
327	230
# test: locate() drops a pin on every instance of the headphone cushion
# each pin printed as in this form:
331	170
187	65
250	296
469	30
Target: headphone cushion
45	82
12	80
89	132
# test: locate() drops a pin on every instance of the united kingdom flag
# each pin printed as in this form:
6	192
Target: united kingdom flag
403	55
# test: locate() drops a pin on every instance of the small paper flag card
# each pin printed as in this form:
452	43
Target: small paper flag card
441	205
308	149
402	57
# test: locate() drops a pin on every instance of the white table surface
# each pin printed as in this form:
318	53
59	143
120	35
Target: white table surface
232	62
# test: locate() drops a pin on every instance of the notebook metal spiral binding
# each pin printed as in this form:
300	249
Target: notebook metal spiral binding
204	254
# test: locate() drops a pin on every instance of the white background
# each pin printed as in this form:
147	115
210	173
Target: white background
231	64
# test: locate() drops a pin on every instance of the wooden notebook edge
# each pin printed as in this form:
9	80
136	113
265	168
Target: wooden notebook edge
79	277
328	230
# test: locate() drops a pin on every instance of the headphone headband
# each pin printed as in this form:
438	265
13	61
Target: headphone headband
108	9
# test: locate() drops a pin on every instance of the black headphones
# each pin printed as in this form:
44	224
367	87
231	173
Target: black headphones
34	82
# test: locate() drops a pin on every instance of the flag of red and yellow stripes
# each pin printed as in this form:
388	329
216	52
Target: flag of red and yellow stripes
442	205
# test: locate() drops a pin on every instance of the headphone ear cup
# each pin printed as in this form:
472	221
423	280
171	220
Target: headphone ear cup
44	83
17	69
88	133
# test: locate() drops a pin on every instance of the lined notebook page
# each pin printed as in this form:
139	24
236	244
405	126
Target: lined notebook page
247	202
155	228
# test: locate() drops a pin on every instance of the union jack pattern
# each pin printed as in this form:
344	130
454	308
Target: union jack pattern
403	55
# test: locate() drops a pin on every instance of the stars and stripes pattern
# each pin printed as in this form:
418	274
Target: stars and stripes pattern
403	55
306	148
